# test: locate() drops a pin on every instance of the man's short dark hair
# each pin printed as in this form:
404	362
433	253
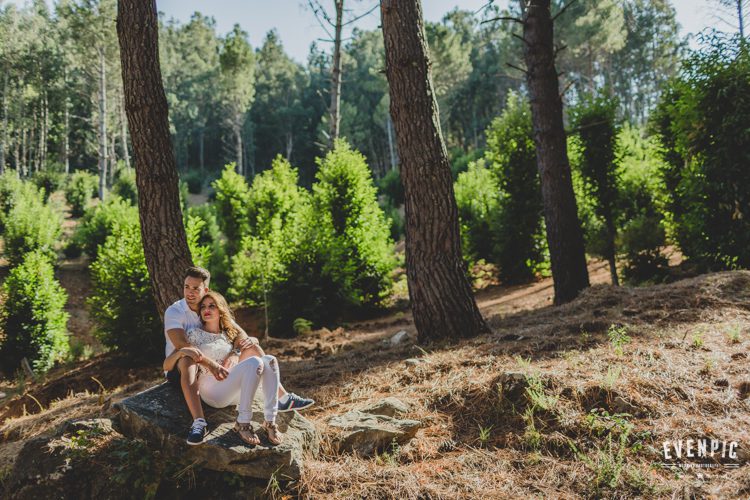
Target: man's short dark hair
198	272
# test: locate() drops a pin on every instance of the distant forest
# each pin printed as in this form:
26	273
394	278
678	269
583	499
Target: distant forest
231	102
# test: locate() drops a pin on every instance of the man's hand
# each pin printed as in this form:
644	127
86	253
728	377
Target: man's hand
230	361
193	353
247	343
218	371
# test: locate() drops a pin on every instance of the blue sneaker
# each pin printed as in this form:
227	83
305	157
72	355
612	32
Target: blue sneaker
198	432
293	402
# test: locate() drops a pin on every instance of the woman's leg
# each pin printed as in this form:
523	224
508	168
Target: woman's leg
238	388
270	378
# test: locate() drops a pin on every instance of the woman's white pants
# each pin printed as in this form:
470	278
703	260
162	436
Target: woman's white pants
240	386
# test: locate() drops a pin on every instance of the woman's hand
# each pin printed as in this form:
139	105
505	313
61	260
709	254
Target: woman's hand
247	343
193	353
218	371
230	361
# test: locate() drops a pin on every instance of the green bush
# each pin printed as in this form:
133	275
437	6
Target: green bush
273	205
125	186
391	187
122	302
194	181
81	188
703	122
209	236
33	320
11	190
99	221
48	181
345	201
478	199
519	238
597	131
31	225
232	193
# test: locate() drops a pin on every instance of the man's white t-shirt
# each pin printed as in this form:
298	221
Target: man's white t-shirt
179	315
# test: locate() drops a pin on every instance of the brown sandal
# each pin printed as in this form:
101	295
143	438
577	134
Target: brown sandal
272	431
247	434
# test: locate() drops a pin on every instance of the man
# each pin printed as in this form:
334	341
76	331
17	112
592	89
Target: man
179	318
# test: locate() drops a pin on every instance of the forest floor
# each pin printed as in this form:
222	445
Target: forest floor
563	402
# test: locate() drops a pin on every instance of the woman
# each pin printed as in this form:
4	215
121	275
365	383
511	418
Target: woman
215	342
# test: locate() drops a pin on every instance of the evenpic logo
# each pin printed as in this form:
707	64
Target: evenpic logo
700	453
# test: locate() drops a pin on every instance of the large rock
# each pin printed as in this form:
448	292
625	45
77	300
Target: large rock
373	428
159	415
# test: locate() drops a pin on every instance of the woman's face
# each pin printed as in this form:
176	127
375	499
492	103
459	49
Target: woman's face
209	310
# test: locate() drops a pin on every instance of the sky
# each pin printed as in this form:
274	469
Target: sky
298	27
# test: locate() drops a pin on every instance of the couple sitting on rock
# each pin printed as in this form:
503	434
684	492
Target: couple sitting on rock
212	358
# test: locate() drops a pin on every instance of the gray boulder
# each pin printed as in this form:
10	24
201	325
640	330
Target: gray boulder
159	416
373	428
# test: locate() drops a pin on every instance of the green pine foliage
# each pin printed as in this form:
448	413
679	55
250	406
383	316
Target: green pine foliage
33	320
99	221
30	225
478	199
121	301
520	245
345	201
125	187
81	188
232	193
209	236
703	122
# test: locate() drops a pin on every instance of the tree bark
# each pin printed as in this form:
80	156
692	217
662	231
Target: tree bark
4	138
66	124
124	133
564	235
164	240
441	297
335	109
102	125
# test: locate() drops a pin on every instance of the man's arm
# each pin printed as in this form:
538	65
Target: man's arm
178	338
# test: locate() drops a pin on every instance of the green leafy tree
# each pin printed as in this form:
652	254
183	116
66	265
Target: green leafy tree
232	193
478	200
511	155
597	130
33	320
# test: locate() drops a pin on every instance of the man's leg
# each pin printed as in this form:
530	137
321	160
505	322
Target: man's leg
189	383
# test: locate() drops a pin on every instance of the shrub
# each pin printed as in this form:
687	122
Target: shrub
48	181
81	188
122	302
391	187
31	225
125	186
11	190
33	319
478	200
194	181
273	204
597	132
232	194
344	199
209	236
99	221
511	155
703	122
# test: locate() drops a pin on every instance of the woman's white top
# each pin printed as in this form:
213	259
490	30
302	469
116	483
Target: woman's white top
215	346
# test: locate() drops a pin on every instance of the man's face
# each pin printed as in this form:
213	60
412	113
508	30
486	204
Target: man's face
193	291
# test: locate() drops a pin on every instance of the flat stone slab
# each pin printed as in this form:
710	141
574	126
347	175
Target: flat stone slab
159	415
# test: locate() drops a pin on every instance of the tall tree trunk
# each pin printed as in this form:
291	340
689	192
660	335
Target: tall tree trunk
123	133
201	140
564	235
164	240
238	149
391	145
102	125
66	124
441	297
335	108
33	146
741	18
4	136
45	129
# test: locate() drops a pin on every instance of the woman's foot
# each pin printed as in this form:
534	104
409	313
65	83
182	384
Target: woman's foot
272	430
247	434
